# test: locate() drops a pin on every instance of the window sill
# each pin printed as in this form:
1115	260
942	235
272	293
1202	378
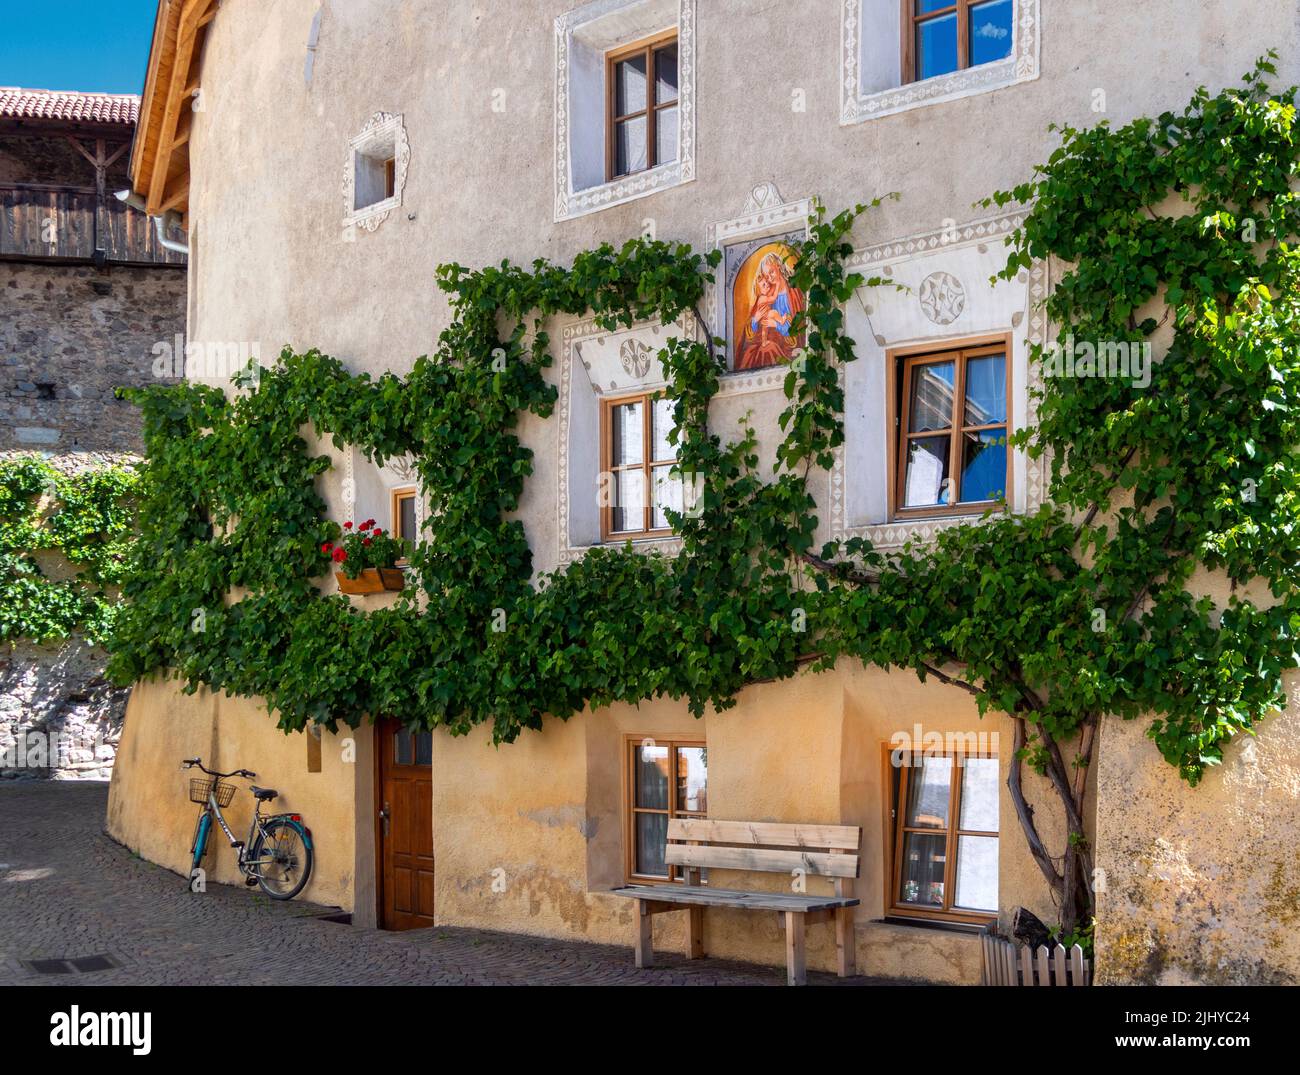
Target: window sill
943	515
371	216
943	924
628	188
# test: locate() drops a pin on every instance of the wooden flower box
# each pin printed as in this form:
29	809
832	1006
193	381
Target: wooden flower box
372	580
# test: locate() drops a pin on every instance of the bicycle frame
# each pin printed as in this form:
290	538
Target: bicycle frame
246	865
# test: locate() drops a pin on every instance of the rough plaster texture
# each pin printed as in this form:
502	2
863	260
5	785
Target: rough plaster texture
1202	886
273	266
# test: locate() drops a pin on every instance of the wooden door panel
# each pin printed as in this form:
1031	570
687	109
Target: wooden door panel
405	843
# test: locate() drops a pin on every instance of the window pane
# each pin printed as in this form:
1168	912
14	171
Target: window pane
924	7
651	840
402	748
986	391
930	407
423	748
921	878
926	484
692	779
629	500
666	74
661	424
984	465
990	31
667	494
629	86
629	440
406	518
652	777
666	135
977	873
630	146
979	795
927	794
936	46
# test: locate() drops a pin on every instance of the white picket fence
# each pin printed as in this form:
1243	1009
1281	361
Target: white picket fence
1007	963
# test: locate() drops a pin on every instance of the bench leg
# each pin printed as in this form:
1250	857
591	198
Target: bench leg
645	956
796	966
845	948
696	930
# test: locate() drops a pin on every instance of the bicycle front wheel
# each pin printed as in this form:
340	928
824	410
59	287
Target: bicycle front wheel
283	858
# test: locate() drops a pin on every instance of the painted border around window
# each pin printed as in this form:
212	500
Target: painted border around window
377	127
628	793
570	203
896	383
891	822
856	106
872	260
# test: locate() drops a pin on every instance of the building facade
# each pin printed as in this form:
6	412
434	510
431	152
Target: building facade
327	157
88	295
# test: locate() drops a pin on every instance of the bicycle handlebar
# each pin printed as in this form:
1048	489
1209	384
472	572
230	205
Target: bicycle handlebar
191	763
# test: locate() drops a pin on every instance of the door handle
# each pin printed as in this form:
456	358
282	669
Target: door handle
384	815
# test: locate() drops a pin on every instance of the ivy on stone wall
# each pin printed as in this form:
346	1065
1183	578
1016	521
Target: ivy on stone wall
83	519
1177	229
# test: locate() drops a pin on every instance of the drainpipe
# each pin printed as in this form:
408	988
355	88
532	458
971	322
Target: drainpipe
160	223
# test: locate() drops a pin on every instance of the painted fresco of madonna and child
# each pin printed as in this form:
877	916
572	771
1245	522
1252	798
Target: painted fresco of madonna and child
762	304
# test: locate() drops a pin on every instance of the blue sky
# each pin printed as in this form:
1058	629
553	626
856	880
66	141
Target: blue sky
75	44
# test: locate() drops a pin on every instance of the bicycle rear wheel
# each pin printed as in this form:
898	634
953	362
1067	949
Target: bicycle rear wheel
284	859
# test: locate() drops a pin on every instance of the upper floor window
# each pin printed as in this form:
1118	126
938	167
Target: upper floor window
945	845
942	36
952	441
638	463
641	92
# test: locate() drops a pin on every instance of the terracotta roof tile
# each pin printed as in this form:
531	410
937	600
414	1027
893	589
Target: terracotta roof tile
17	103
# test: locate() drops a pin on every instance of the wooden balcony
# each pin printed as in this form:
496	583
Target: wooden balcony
49	222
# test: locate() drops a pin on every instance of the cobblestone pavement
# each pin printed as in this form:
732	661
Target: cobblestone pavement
69	892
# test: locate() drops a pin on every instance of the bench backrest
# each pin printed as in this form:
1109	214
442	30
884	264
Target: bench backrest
765	846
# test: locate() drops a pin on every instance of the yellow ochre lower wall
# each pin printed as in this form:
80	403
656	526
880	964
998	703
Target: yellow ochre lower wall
528	837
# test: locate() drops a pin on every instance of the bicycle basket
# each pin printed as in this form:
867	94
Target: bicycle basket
200	789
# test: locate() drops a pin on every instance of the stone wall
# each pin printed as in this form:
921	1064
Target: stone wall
69	335
59	717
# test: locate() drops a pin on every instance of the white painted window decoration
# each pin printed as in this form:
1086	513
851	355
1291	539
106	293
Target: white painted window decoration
874	52
947	296
374	175
584	38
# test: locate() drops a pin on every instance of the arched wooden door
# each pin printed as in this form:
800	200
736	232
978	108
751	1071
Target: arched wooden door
404	830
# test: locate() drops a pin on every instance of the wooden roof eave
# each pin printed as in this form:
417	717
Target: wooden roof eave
160	153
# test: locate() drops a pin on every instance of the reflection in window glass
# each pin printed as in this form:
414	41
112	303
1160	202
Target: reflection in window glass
928	792
923	866
651	842
979	794
990	31
692	780
984	466
652	777
977	873
936	46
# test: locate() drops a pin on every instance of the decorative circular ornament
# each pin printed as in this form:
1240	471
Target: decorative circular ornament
942	298
635	357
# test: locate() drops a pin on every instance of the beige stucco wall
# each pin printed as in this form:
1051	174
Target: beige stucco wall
149	809
272	265
1201	886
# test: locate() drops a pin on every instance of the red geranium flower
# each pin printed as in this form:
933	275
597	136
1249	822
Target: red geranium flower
366	541
367	524
347	525
340	554
326	547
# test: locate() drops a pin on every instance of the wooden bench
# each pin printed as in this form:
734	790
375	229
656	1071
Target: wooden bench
760	846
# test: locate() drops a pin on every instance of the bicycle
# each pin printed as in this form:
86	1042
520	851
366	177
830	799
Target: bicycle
281	857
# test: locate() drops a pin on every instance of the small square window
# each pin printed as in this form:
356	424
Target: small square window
376	171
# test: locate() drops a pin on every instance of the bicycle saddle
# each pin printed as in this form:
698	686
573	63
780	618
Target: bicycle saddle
265	794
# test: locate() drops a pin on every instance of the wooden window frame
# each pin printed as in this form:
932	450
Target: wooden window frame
895	816
900	364
390	178
400	493
911	20
631	743
647	466
648	47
